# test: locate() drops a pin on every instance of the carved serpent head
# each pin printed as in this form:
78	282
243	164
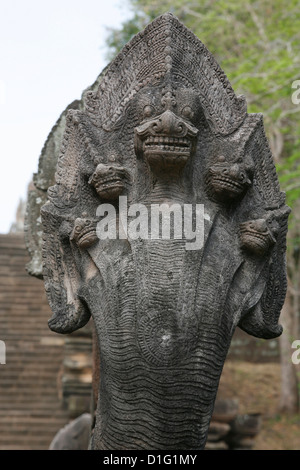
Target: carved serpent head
109	180
227	180
84	232
258	235
166	139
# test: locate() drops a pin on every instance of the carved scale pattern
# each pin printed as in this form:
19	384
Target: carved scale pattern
166	46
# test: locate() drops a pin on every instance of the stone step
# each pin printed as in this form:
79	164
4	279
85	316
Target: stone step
29	401
58	412
20	418
36	368
13	447
31	410
42	408
30	428
34	430
27	441
27	389
27	393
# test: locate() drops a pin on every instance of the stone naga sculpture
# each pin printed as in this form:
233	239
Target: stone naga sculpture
164	127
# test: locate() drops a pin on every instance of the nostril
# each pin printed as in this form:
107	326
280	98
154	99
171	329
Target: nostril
225	171
155	127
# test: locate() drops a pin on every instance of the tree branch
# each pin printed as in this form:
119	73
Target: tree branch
257	22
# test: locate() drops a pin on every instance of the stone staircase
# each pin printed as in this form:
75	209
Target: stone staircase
31	409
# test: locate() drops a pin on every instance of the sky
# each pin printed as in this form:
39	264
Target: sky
50	51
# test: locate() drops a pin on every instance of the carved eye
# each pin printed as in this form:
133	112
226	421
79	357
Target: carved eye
148	110
187	112
221	159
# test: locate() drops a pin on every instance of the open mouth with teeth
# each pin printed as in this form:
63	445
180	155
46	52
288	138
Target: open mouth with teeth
110	187
167	152
109	181
158	144
84	235
88	238
166	141
256	241
222	183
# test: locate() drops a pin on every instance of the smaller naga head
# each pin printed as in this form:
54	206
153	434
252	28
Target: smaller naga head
84	232
228	180
109	180
168	139
258	235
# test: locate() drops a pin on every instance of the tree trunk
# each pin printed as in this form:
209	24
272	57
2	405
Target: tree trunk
289	400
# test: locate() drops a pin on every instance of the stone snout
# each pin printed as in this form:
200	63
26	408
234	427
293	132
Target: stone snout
258	236
227	181
166	142
109	181
84	232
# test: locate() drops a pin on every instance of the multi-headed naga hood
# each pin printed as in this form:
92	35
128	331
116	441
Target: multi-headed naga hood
164	129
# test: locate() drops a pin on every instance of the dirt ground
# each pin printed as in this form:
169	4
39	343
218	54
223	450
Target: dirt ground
257	387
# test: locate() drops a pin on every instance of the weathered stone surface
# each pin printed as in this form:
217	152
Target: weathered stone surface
247	425
42	180
74	436
225	410
216	446
217	431
37	192
36	198
241	443
164	127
